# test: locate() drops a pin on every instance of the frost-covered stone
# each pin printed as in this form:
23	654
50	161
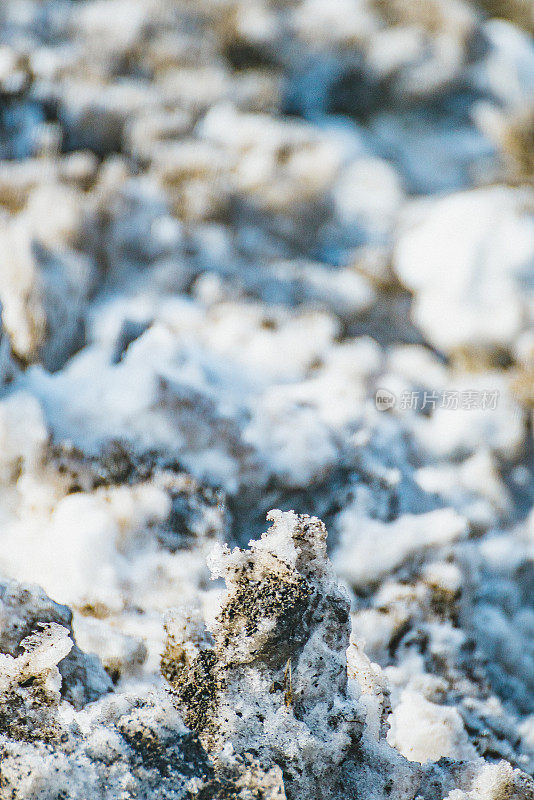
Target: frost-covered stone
24	609
269	676
133	743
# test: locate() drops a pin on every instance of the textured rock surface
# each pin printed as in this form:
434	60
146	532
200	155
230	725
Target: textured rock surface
269	676
23	609
227	231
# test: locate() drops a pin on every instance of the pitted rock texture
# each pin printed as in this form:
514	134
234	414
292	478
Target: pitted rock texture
267	678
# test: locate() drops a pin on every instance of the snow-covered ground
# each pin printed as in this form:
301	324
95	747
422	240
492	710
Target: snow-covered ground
255	255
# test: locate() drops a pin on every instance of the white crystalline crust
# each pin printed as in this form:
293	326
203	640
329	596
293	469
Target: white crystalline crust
224	226
42	652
